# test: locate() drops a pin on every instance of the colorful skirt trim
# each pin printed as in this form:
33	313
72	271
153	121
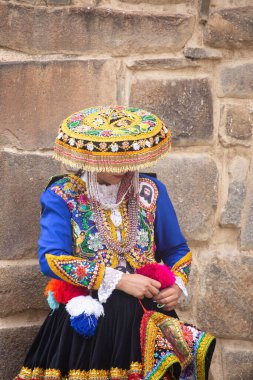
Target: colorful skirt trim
54	374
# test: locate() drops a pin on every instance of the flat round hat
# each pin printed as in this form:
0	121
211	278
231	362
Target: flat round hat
112	139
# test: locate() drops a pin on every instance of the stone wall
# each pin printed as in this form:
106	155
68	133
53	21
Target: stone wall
190	62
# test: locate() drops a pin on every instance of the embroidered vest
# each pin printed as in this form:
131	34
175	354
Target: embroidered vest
86	240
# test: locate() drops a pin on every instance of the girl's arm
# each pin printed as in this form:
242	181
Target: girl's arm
55	246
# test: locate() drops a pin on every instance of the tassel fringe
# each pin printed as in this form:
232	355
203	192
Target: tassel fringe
100	167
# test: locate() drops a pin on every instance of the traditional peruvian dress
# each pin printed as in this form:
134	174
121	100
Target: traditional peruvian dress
72	252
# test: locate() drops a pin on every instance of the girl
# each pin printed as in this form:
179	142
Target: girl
102	232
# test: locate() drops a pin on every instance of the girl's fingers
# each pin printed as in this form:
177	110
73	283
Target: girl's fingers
168	300
164	293
155	283
153	290
169	308
148	294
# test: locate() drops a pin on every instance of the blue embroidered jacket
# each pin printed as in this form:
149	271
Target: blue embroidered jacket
70	248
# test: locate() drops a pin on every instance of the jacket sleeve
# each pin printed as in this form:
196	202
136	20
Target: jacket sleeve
170	242
55	246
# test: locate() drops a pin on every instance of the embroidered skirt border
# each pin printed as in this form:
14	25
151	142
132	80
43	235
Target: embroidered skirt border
93	374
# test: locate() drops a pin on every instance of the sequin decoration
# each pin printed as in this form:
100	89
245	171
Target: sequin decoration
117	138
111	123
76	270
159	355
182	267
87	243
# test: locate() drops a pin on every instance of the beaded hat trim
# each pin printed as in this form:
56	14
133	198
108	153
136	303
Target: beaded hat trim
114	139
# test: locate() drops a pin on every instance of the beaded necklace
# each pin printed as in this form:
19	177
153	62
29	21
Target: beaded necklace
128	192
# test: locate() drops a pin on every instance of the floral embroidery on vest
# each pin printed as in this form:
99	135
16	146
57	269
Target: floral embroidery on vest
86	240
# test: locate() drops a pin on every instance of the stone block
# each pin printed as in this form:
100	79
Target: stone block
157	2
247	220
236	124
230	27
225	300
184	104
34	2
23	177
231	216
58	2
160	64
216	372
192	183
202	53
15	343
237	360
236	81
29	292
36	96
89	30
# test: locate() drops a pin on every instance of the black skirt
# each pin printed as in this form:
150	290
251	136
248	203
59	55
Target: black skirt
114	352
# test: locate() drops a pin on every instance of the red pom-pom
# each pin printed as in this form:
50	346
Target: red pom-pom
158	272
63	291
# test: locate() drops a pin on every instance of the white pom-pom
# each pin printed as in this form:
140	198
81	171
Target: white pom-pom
86	305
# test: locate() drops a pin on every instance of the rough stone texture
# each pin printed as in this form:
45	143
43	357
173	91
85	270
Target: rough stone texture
247	223
231	216
192	183
202	53
89	30
14	345
58	2
236	81
160	63
236	124
203	9
23	177
238	361
222	307
37	96
29	291
184	104
216	372
33	2
157	2
230	28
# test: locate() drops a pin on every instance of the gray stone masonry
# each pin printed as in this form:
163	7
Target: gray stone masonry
188	61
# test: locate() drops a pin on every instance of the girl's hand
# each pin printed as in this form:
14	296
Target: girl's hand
169	297
138	286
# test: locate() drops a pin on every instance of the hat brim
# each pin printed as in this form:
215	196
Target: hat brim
115	162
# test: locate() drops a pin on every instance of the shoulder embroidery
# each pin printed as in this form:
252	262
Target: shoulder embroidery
54	179
68	189
148	194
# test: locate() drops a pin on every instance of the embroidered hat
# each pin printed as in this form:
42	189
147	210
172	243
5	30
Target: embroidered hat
112	139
